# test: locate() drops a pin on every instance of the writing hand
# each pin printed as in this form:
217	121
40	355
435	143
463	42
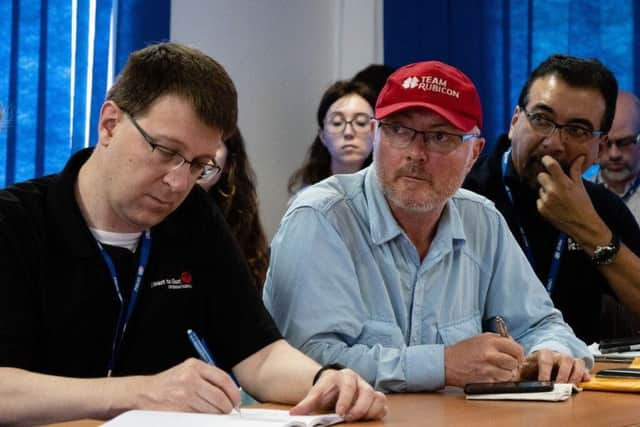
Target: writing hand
347	394
484	358
192	386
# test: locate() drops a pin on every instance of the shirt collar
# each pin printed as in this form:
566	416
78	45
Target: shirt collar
450	232
383	225
61	201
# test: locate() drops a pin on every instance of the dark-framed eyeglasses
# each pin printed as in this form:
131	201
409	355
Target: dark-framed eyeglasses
401	137
173	159
623	143
544	126
336	123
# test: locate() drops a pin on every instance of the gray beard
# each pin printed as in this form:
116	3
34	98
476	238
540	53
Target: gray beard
622	175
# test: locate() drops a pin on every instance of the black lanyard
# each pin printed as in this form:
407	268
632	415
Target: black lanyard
125	316
560	243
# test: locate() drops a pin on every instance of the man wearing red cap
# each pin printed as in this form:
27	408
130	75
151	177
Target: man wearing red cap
580	238
398	274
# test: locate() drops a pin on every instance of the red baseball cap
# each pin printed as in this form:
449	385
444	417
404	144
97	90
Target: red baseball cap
436	86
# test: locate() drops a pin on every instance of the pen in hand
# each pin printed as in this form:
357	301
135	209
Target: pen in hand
205	355
502	327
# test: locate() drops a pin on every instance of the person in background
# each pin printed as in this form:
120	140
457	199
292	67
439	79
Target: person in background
398	274
374	76
106	266
234	191
619	171
620	159
580	238
344	138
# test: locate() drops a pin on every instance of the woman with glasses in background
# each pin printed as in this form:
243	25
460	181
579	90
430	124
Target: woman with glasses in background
344	140
234	191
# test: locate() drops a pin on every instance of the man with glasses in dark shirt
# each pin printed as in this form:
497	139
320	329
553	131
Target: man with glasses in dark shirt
106	267
580	238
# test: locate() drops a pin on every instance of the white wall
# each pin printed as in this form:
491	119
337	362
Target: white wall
282	55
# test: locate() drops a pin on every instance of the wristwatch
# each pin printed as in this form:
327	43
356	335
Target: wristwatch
603	255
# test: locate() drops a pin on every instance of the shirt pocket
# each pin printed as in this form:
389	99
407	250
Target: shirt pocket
460	329
387	334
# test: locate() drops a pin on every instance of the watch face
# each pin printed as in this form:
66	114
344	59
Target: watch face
606	254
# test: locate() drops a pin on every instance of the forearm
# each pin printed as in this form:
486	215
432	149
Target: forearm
387	369
623	274
278	373
28	398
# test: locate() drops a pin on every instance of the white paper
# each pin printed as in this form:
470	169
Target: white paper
249	417
559	393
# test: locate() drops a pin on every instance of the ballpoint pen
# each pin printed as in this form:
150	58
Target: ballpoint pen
502	327
205	355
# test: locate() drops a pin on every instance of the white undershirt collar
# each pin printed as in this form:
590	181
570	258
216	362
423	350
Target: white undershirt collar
111	238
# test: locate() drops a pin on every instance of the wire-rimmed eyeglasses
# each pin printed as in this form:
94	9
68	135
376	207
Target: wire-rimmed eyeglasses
438	141
173	159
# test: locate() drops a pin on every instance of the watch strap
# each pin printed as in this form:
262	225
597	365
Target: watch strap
334	366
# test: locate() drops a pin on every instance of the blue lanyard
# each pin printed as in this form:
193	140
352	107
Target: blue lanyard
627	194
560	243
125	316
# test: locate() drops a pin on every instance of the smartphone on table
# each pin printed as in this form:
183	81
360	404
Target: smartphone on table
508	387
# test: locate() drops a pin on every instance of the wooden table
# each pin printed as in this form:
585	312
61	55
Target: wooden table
449	408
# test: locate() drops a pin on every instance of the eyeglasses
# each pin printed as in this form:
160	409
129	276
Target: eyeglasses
173	160
336	123
571	133
623	143
437	141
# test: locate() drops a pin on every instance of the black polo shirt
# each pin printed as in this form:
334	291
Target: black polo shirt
579	285
58	305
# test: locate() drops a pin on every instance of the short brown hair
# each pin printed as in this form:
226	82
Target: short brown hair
172	68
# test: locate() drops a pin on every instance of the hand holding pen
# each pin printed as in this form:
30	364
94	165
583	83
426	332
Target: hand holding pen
204	353
502	329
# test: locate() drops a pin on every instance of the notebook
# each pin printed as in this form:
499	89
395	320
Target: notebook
249	417
559	393
614	384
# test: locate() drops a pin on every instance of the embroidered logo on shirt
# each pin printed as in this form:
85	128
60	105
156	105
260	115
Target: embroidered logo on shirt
183	282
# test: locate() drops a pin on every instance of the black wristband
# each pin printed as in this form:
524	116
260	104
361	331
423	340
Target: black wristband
335	366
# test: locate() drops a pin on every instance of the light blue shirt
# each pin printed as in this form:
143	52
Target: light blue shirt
346	285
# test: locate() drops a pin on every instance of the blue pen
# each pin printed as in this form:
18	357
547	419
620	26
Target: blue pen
206	349
205	355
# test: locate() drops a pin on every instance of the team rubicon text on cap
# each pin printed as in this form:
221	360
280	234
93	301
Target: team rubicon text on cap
429	83
436	86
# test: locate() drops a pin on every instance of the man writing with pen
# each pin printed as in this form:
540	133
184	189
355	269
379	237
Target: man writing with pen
419	268
106	265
